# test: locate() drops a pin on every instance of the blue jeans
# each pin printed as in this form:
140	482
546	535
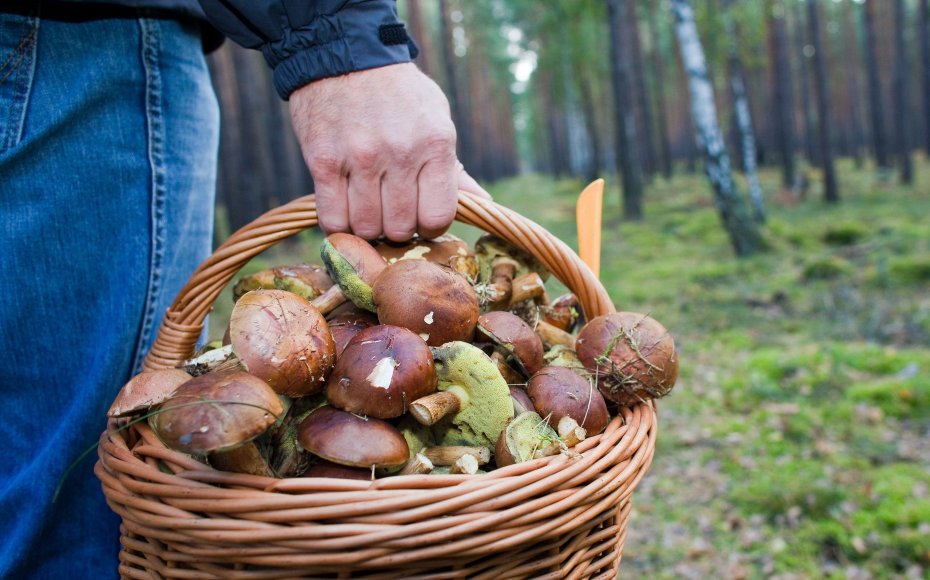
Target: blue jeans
108	140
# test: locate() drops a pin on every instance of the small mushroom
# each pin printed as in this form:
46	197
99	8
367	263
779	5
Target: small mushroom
146	390
449	454
528	287
346	323
515	337
382	369
282	339
416	465
474	403
632	354
216	412
348	439
446	250
564	312
508	372
355	265
306	280
261	280
527	437
564	356
430	300
521	401
559	392
500	262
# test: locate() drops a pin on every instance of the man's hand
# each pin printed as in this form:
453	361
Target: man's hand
380	145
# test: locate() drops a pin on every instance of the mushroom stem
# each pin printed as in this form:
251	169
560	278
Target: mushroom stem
329	300
449	454
466	464
218	359
553	335
570	431
431	408
418	464
529	286
500	282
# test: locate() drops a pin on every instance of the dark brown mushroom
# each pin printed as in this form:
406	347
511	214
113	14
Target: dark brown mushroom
632	354
346	323
559	392
323	468
515	337
430	300
216	412
348	439
564	312
381	371
282	339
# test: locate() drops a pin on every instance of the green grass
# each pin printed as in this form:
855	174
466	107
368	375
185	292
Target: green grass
797	442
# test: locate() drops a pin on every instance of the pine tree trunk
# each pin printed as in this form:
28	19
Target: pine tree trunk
901	88
831	193
781	92
454	93
590	118
642	93
743	119
743	231
853	84
658	82
924	21
876	109
627	158
804	72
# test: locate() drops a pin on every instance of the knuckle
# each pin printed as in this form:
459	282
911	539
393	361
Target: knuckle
325	164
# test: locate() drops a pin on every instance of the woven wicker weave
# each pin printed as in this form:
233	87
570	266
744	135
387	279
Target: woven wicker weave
557	517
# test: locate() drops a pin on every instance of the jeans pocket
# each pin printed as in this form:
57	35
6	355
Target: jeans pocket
18	36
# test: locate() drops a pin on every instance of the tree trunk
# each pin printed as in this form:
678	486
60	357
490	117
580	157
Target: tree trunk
590	118
642	92
876	109
781	92
457	102
804	72
901	100
925	65
658	81
743	119
831	194
743	231
853	83
627	159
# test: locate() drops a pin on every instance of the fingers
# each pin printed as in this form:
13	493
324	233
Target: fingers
399	204
468	183
438	198
364	193
331	187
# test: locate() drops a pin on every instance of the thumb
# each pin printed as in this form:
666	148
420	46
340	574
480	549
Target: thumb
468	183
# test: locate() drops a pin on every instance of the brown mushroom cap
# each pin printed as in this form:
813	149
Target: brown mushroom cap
509	332
348	439
323	468
430	300
354	264
146	390
633	355
306	280
564	312
282	339
346	325
216	412
559	392
261	280
446	250
382	370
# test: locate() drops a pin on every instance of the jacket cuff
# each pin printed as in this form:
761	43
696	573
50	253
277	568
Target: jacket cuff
362	35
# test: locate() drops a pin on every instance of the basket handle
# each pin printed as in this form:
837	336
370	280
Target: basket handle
183	322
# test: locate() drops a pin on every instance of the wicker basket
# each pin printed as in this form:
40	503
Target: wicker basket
557	517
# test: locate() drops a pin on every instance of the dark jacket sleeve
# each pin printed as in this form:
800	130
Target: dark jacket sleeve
306	40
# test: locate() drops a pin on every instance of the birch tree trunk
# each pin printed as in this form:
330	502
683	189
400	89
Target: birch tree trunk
743	231
830	192
901	100
747	139
627	158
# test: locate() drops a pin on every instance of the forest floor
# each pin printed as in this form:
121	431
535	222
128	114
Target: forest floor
797	441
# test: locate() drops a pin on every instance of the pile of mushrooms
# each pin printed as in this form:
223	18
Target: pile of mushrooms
393	359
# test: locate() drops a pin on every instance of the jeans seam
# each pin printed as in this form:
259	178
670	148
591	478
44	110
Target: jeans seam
155	130
25	51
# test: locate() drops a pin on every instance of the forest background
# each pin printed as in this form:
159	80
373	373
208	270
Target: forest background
768	193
